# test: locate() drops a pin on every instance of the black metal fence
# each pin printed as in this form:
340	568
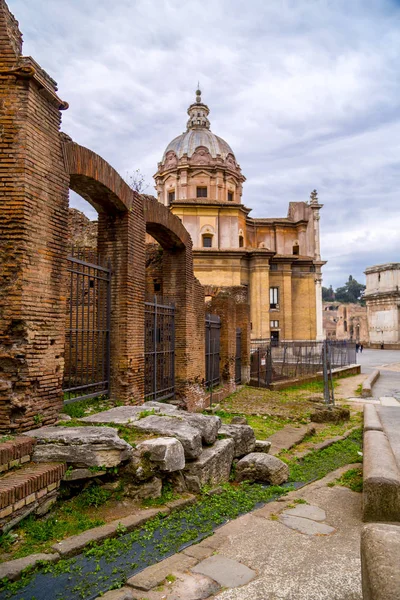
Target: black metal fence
213	342
291	360
238	357
87	344
159	382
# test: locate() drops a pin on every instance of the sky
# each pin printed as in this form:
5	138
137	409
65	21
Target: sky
306	92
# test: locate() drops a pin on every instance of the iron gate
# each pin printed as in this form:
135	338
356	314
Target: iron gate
87	344
159	380
238	357
213	335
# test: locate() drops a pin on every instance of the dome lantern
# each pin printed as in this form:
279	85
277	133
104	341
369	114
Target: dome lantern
198	113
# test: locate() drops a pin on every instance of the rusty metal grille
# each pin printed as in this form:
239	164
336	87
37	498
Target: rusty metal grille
87	344
238	357
213	343
159	382
280	361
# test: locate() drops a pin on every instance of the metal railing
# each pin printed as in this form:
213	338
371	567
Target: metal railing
213	342
159	381
281	361
238	357
87	343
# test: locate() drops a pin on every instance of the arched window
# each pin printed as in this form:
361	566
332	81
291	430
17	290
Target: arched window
241	241
207	241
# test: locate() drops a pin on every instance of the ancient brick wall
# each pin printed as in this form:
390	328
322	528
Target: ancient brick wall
232	306
82	232
33	223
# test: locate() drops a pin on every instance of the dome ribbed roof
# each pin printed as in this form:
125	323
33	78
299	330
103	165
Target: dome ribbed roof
194	138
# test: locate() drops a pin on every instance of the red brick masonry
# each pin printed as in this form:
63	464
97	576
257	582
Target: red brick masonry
16	452
28	485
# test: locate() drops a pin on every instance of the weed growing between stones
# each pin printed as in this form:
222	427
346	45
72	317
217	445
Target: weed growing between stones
317	464
353	479
167	495
90	406
263	425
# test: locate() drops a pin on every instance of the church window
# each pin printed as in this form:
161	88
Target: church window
171	197
207	241
230	196
274	324
241	241
273	297
296	249
201	192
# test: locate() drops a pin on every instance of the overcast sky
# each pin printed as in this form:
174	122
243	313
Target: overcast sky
306	92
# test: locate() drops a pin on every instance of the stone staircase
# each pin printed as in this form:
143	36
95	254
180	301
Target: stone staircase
25	487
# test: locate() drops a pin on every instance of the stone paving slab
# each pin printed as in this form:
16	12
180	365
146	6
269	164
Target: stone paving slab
156	574
227	572
121	594
308	511
199	552
306	526
289	436
389	401
12	569
186	586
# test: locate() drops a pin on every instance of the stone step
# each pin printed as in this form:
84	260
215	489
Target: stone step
27	489
16	452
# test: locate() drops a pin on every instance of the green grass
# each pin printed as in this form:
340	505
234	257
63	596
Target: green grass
90	406
358	390
264	426
167	495
69	517
319	463
353	479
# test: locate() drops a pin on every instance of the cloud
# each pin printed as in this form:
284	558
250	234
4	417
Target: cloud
305	91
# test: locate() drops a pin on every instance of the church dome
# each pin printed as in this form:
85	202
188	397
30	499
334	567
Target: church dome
188	142
198	135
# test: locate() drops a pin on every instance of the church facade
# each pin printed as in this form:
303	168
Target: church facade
276	261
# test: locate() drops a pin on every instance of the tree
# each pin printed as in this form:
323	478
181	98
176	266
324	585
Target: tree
352	291
137	181
328	295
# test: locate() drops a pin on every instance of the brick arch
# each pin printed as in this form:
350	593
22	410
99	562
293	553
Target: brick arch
165	227
95	180
121	239
180	286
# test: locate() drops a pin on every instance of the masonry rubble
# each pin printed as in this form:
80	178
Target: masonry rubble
190	451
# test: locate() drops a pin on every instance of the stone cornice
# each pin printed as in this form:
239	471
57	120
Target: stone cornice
29	69
382	295
203	202
383	267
